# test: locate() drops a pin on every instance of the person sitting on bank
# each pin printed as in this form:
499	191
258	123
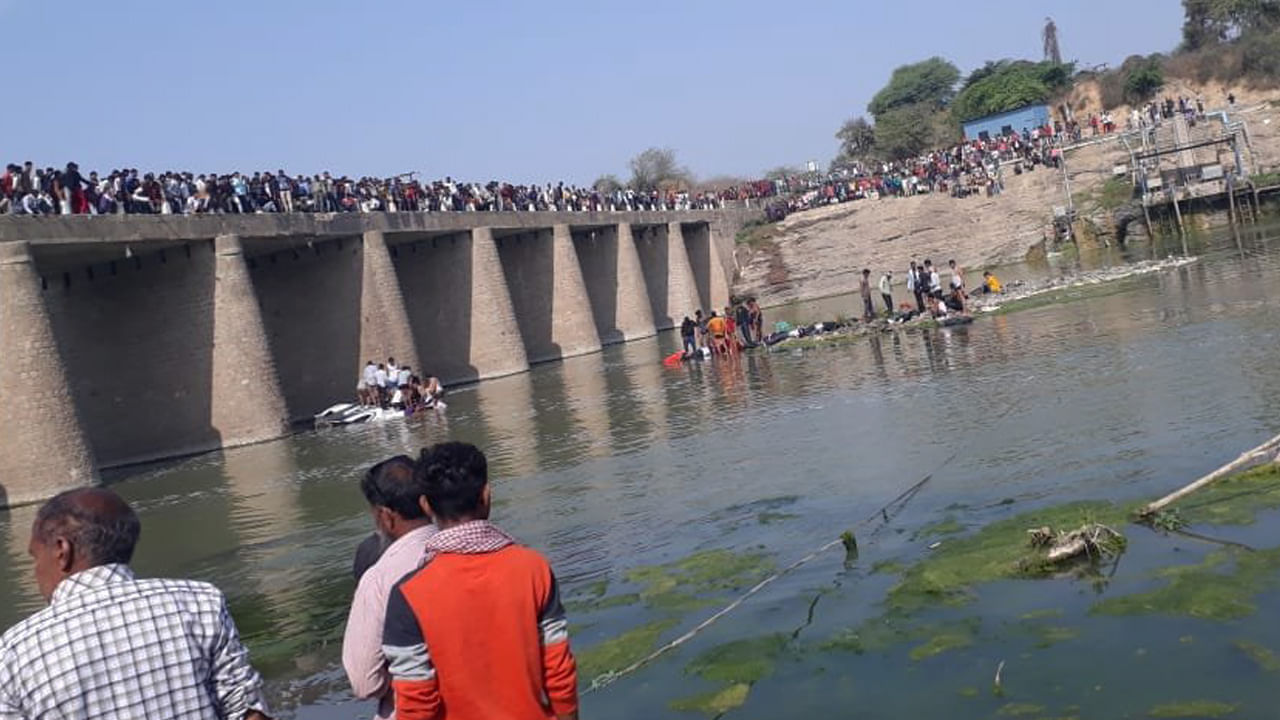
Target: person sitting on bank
394	494
990	283
112	646
479	632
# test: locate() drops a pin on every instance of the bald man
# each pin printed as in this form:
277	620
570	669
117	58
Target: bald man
110	646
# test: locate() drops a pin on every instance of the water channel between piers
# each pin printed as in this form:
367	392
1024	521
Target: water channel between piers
609	462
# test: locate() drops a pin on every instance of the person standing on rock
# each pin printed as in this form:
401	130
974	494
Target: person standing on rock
935	281
757	319
886	290
913	285
864	288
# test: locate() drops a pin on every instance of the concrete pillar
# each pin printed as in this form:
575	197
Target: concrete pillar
496	347
43	449
385	330
248	404
719	278
634	312
682	288
573	328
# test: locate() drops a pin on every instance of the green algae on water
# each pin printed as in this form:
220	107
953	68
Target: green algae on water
968	692
1235	499
617	653
603	603
1019	709
887	567
1041	614
676	585
949	639
741	661
1203	591
1262	656
714	703
1192	709
1050	635
770	517
947	526
884	633
998	551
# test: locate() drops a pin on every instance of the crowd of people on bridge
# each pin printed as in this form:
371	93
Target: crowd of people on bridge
29	190
111	645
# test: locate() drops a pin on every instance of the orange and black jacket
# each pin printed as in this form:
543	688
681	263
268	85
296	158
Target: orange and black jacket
480	637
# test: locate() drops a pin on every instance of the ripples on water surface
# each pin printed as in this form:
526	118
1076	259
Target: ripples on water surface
611	461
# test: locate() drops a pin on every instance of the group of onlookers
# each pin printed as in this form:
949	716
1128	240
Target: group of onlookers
968	168
451	617
388	385
740	326
29	190
924	283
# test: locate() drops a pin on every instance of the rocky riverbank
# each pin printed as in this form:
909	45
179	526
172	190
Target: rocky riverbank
1021	297
821	252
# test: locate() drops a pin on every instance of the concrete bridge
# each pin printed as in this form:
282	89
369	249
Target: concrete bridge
133	338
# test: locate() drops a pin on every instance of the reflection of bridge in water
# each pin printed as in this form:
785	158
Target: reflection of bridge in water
128	339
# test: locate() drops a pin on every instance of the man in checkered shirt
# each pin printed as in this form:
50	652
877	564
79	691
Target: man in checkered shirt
111	646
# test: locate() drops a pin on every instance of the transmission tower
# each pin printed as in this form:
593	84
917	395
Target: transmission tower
1050	35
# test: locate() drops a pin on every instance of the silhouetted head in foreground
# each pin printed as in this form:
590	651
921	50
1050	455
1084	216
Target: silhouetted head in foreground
455	478
81	529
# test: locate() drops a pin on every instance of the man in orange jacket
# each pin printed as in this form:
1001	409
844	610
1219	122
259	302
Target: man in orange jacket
479	633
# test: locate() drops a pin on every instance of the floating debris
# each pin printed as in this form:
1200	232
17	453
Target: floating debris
992	303
1091	541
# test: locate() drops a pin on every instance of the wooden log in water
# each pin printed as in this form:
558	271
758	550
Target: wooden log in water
1263	453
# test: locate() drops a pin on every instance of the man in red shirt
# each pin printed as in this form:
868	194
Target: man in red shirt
479	633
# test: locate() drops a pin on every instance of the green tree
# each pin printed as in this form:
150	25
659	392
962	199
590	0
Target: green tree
1214	21
1144	81
931	83
607	183
783	171
657	169
857	138
1004	85
905	132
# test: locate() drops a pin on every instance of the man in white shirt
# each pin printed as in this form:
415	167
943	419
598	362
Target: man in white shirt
365	387
935	281
380	383
111	645
886	290
394	497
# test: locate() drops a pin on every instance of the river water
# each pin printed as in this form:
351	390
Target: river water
610	462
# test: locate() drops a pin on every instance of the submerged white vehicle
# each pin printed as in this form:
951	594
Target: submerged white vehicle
355	414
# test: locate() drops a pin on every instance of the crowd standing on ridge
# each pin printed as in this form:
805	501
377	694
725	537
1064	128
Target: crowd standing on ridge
451	617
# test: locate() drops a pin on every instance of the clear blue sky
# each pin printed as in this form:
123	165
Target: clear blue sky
522	91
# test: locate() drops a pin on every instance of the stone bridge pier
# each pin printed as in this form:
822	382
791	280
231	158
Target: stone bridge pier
129	339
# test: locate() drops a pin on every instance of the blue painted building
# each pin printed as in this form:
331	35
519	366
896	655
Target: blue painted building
1031	116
